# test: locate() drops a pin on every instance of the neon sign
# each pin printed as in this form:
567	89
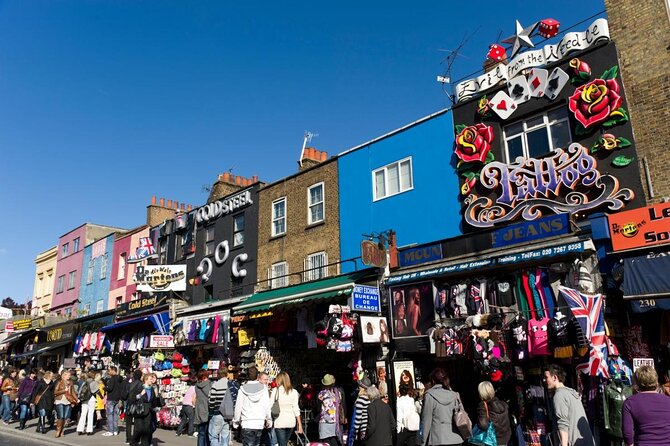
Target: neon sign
534	187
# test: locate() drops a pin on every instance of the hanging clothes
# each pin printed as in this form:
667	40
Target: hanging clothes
547	291
522	301
539	304
538	337
528	294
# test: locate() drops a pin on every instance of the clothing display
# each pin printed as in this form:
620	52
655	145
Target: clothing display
615	395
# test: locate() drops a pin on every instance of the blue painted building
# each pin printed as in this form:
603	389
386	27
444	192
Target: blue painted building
95	276
402	181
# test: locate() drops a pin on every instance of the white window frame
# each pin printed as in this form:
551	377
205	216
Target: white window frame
121	273
75	245
68	312
276	219
60	284
278	280
66	249
237	231
89	273
99	305
384	169
87	309
210	244
103	267
321	203
525	130
311	273
71	279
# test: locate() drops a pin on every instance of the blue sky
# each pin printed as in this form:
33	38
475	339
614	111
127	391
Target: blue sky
106	103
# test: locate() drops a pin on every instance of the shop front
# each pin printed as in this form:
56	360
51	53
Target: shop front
53	344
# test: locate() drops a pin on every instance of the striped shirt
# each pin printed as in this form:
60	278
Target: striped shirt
361	420
216	395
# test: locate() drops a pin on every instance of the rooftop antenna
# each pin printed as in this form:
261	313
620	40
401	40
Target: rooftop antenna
307	139
449	60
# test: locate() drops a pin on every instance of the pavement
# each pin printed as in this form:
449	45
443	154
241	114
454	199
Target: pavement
162	437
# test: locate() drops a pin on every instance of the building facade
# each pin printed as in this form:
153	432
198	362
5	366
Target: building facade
96	276
298	226
45	270
401	182
122	288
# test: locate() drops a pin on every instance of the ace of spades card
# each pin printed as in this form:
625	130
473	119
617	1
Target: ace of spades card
555	83
518	89
502	104
537	82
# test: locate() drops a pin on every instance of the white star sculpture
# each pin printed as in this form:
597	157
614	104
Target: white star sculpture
521	38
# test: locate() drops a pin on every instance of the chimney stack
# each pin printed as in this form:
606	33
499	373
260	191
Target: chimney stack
227	184
311	157
158	213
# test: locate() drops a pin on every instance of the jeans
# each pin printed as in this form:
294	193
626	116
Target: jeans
203	440
6	408
86	416
112	409
63	411
283	434
25	410
187	416
219	431
251	437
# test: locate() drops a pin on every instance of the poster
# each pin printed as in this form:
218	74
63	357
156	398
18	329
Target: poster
403	371
381	378
412	310
375	330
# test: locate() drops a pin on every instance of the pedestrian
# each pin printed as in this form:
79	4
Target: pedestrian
289	410
187	408
332	412
148	398
132	388
64	398
9	390
493	410
202	388
26	389
439	405
87	392
645	415
114	395
408	417
218	430
268	437
252	409
361	410
43	400
573	426
381	423
99	400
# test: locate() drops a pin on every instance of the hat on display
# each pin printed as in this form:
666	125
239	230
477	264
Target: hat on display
365	382
328	380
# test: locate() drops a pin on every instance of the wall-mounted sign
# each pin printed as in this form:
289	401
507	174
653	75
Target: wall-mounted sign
639	362
135	307
221	253
567	182
160	278
161	341
58	333
532	230
365	298
574	41
372	254
218	208
640	227
420	254
22	324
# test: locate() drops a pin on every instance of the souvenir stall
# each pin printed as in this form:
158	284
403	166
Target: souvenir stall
92	348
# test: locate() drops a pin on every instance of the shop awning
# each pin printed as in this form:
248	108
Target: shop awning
323	289
646	277
160	323
16	336
41	349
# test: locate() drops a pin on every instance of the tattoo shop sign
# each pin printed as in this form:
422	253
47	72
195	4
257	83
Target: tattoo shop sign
566	182
575	41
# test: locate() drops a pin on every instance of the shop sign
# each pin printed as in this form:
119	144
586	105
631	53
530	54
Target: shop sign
213	364
221	253
419	255
138	306
244	336
22	324
365	298
644	305
160	278
530	231
639	362
219	208
9	326
520	257
59	333
640	227
372	254
566	182
574	41
161	341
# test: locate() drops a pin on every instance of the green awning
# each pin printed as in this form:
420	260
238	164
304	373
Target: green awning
324	289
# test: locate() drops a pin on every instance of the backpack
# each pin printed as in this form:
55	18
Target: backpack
84	393
227	407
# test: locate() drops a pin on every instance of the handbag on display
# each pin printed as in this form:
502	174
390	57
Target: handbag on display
484	437
462	420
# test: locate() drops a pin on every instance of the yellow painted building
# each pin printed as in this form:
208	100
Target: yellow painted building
45	269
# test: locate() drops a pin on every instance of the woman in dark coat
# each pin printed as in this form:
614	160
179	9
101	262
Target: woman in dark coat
43	400
381	424
142	428
201	417
491	409
28	385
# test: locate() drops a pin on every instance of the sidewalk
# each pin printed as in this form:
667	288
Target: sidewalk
162	437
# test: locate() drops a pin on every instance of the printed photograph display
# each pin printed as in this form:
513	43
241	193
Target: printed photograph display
403	372
412	309
375	330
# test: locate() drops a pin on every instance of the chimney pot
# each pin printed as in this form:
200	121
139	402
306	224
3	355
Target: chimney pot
324	156
162	202
183	206
255	178
169	203
238	180
189	207
153	199
176	204
226	177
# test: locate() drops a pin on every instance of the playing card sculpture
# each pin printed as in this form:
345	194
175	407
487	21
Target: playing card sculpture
548	28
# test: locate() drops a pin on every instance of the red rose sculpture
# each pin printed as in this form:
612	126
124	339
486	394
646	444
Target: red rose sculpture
473	143
595	102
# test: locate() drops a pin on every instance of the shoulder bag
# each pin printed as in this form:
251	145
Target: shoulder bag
275	405
487	437
462	420
39	397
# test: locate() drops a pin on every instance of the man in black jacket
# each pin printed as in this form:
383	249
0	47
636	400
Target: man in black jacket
114	389
132	388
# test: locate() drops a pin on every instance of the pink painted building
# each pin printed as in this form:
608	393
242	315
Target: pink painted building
122	287
69	266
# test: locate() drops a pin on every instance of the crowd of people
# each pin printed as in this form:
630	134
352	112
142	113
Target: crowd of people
265	413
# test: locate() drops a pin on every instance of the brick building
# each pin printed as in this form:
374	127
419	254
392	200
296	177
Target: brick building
299	219
642	34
